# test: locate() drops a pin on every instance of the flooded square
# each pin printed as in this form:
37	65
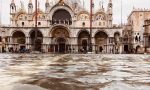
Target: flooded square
74	72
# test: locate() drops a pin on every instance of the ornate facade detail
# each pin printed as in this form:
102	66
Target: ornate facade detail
63	26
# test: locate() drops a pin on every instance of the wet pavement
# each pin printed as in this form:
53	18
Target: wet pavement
74	72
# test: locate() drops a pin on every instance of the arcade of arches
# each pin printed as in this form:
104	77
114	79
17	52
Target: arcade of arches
59	41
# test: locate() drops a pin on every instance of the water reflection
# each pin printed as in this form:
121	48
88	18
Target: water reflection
75	72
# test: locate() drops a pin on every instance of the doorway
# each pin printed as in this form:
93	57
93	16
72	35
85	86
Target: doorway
100	49
126	48
61	45
84	45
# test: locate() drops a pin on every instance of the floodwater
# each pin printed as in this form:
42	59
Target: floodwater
74	72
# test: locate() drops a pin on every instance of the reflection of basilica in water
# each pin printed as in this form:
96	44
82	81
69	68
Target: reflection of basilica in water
63	26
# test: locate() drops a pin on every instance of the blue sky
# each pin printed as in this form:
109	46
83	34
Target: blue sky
127	8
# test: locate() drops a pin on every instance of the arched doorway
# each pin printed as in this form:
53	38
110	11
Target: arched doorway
18	39
138	49
60	37
61	16
83	40
36	42
101	41
61	45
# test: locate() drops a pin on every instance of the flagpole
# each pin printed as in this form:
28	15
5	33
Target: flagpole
91	20
121	13
35	25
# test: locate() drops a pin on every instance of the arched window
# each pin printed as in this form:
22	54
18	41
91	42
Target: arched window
136	38
39	23
61	16
22	23
12	7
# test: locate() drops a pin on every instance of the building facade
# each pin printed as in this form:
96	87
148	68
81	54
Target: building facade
62	27
137	20
147	35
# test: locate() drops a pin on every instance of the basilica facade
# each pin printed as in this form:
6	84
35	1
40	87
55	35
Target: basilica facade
62	27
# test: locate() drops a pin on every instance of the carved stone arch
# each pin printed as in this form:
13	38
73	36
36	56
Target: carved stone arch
18	14
39	12
52	29
100	13
101	31
83	40
82	31
54	9
11	34
18	37
83	12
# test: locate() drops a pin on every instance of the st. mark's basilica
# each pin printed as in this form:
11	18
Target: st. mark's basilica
65	26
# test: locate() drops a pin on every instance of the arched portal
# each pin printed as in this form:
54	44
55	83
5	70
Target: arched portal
18	37
60	37
83	40
36	42
61	42
101	41
61	16
18	40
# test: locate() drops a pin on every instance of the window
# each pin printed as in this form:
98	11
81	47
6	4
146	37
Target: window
99	23
12	7
83	24
22	23
136	39
39	23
